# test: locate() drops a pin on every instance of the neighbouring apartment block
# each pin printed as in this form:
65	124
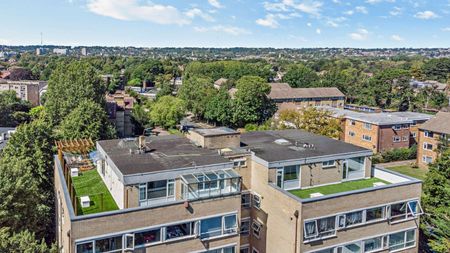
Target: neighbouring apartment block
282	93
433	135
120	108
219	191
26	90
381	131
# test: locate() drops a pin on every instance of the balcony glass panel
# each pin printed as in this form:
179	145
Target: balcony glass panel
356	168
210	184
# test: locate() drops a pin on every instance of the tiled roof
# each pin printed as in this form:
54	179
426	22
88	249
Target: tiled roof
284	91
440	123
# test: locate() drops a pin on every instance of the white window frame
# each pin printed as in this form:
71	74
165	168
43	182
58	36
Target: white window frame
396	138
241	163
327	164
409	214
351	133
245	247
256	226
425	146
397	127
256	201
364	139
414	134
425	157
405	232
246	233
428	134
405	138
254	250
125	237
367	126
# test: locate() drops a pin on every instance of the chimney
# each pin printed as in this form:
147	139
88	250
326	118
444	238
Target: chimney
142	143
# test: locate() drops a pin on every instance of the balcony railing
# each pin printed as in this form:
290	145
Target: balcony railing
210	184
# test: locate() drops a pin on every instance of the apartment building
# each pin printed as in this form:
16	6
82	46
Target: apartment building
381	131
26	90
268	191
282	93
433	134
120	109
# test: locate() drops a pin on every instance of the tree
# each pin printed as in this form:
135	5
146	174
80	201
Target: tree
165	89
436	204
18	74
196	92
437	69
312	120
87	120
382	86
300	76
168	111
68	86
140	118
218	108
26	180
12	109
251	103
22	242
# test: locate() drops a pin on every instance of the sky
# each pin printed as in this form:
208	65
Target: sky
228	23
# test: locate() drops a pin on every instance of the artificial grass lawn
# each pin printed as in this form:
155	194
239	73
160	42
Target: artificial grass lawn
419	173
89	183
336	188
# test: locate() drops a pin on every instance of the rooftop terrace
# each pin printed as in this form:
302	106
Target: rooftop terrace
339	187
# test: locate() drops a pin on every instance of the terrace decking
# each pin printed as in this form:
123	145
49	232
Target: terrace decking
338	188
89	183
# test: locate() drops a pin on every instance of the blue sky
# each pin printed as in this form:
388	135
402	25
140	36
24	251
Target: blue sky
228	23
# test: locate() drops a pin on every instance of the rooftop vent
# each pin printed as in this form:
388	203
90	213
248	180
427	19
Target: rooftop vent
282	142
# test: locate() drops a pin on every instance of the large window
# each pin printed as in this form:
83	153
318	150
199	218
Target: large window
180	230
319	228
230	249
147	237
373	244
246	200
245	227
210	184
404	210
256	228
155	191
428	134
374	214
353	218
218	226
87	247
328	164
291	173
402	240
113	244
427	146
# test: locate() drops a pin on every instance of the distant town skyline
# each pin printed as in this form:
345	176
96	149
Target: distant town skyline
231	23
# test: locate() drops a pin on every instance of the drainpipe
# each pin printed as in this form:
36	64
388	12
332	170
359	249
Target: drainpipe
296	214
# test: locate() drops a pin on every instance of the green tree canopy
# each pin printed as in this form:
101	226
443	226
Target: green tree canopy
251	104
437	69
436	204
196	92
22	242
69	85
300	76
218	108
168	111
12	109
87	120
26	180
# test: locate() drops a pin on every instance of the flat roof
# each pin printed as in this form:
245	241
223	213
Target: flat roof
379	118
164	153
277	146
215	131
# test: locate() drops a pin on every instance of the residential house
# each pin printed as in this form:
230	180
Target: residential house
216	190
282	93
381	131
26	90
432	135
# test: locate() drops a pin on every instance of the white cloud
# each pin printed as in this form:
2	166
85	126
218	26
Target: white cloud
306	6
379	1
195	12
349	12
133	10
309	24
4	41
446	29
426	15
396	11
268	21
318	31
215	3
332	23
232	30
361	9
397	37
360	34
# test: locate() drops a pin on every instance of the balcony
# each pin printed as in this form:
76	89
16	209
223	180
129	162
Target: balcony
210	184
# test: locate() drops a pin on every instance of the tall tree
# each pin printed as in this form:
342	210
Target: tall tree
26	180
196	92
312	120
22	242
251	103
436	203
10	107
218	108
300	76
87	120
168	111
69	85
